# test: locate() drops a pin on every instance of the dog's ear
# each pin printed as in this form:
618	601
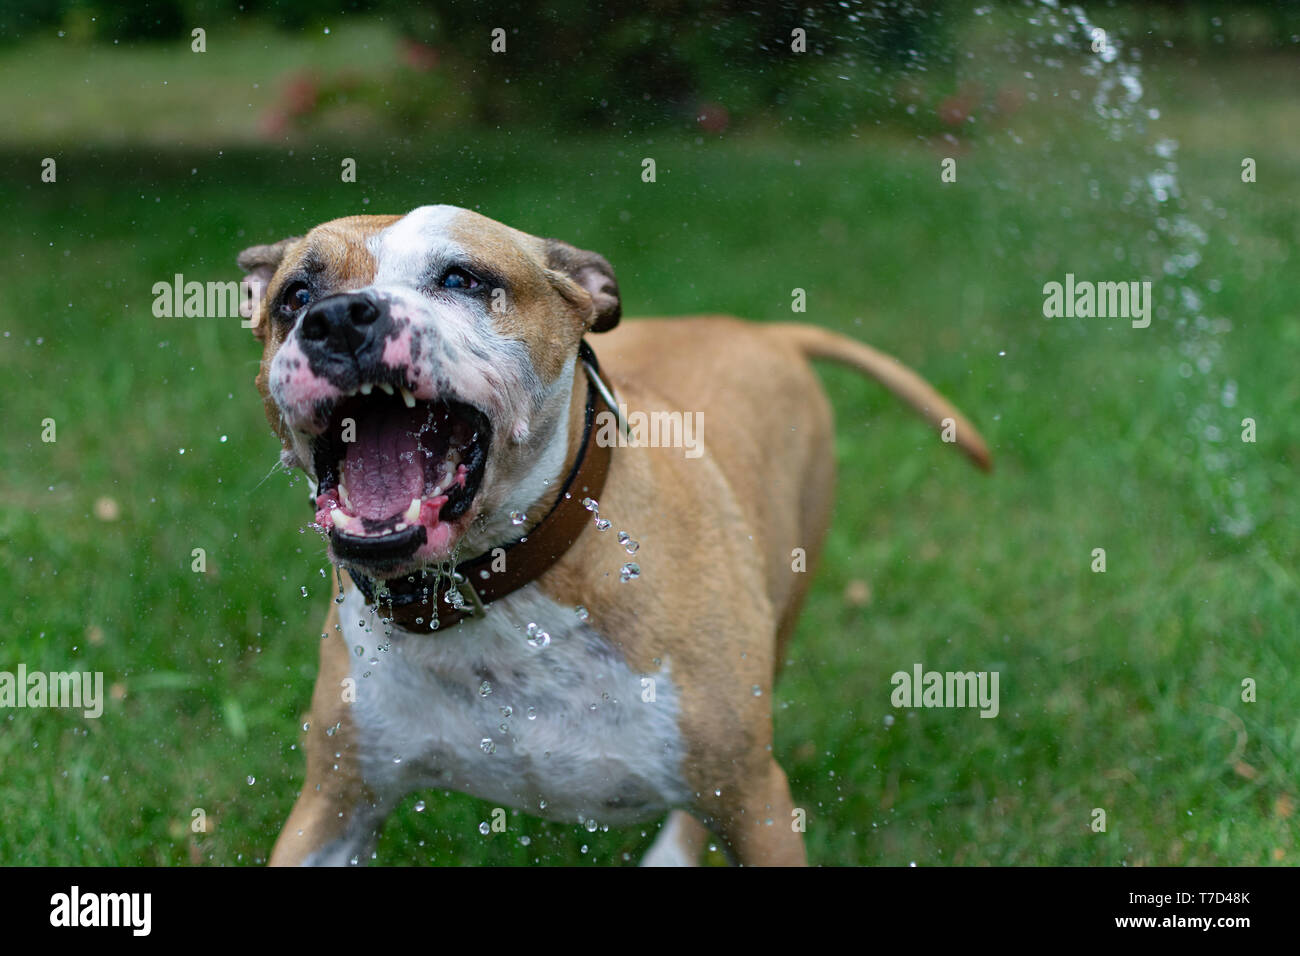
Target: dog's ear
591	273
260	263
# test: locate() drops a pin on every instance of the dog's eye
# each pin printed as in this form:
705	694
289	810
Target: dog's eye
458	279
296	297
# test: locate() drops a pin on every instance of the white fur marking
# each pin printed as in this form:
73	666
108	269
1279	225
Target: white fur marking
669	847
617	762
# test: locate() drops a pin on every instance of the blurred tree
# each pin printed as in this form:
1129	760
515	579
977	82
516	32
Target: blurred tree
625	64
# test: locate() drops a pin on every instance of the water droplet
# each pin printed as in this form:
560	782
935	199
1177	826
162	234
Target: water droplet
484	689
757	691
602	524
889	720
582	612
487	745
506	711
591	504
251	780
525	840
531	713
484	829
517	517
591	826
629	571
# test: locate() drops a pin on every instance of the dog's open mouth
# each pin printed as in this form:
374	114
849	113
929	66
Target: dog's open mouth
395	473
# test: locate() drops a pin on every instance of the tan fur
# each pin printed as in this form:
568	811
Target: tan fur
333	790
716	534
339	249
717	599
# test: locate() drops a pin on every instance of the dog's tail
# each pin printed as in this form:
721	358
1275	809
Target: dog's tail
818	343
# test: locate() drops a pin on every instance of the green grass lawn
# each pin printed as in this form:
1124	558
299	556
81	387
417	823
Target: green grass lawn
1119	691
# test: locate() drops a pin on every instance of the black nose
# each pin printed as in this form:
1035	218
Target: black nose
338	326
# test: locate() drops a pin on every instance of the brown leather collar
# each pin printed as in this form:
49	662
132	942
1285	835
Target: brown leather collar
473	585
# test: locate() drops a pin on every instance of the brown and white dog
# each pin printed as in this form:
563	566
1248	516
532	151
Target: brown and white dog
424	371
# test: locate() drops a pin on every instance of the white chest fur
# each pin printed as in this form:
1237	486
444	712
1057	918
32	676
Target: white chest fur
562	732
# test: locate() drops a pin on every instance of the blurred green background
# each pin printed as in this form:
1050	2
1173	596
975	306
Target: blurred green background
776	170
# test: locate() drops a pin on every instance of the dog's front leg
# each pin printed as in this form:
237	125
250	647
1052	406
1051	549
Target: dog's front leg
756	823
337	818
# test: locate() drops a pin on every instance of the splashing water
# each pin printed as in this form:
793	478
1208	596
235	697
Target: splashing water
1180	290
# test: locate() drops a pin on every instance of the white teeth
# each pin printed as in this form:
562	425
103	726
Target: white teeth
413	512
450	465
408	398
365	389
401	526
345	522
343	494
386	388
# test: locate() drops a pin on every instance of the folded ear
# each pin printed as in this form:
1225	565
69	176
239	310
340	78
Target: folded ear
260	262
592	273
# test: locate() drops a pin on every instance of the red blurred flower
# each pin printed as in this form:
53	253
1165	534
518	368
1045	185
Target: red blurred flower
954	110
273	123
300	94
712	117
418	56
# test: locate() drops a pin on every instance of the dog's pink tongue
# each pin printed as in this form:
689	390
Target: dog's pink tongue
384	467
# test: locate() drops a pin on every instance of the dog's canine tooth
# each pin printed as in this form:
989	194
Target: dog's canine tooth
386	388
366	389
413	512
346	522
407	397
448	476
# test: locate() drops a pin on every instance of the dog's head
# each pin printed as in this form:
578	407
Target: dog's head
420	369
